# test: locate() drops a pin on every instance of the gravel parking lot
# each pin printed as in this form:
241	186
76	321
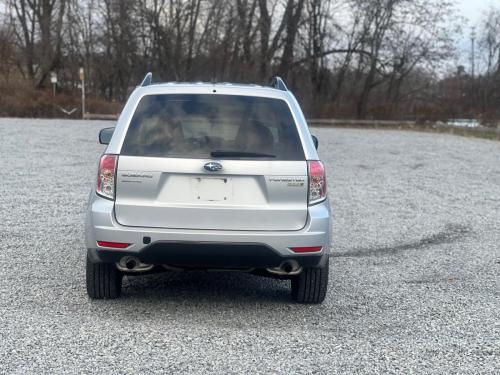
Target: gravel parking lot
414	284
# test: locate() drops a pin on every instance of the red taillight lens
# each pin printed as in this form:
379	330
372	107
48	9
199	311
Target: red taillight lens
106	176
114	245
317	182
310	249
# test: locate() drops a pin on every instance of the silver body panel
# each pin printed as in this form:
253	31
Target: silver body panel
179	193
248	201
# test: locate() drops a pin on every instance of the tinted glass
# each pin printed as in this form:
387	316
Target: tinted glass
196	126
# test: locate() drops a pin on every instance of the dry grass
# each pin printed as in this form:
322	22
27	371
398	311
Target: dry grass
22	100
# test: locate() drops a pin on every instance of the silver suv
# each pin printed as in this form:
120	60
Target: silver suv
209	176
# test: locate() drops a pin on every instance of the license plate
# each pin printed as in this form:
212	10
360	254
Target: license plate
212	189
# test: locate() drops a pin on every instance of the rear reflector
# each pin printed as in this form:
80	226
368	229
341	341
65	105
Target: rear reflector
313	249
114	245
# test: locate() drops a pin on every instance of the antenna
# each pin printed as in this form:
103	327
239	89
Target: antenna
278	84
147	79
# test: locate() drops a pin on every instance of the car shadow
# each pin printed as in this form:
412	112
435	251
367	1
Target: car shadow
216	299
206	287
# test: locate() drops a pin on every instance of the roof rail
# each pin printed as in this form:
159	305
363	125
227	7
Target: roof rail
278	83
147	79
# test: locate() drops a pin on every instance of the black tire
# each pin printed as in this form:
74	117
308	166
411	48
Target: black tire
310	285
103	280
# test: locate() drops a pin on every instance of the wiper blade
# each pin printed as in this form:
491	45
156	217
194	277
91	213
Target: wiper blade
240	154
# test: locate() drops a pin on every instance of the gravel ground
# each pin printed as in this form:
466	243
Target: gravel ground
414	284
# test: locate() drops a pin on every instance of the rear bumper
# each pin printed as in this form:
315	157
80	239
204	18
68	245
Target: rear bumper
208	255
209	248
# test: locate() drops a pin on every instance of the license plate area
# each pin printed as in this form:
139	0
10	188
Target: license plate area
212	189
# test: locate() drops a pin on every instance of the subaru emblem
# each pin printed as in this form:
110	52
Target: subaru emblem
212	167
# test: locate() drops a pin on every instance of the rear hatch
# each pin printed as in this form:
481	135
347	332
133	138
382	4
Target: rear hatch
211	161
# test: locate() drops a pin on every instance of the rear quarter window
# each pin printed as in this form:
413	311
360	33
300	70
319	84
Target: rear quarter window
195	125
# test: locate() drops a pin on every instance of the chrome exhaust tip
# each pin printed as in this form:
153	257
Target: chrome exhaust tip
132	264
287	268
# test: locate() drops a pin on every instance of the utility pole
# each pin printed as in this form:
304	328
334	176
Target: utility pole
473	52
82	82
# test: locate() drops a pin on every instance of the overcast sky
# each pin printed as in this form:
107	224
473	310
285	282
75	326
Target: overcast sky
472	9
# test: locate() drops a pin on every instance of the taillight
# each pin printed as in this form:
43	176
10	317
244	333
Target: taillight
106	176
317	182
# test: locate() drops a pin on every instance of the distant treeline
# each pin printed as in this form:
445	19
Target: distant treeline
343	58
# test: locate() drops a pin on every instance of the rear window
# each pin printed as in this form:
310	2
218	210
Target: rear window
205	126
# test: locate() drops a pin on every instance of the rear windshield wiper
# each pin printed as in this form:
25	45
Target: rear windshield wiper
239	154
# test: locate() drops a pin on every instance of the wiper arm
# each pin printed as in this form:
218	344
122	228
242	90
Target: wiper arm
239	154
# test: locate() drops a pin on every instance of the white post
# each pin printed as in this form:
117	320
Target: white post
82	79
53	79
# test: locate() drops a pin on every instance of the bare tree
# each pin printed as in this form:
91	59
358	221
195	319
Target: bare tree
292	17
342	57
45	18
